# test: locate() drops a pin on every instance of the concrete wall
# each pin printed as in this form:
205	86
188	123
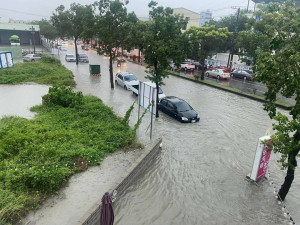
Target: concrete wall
92	217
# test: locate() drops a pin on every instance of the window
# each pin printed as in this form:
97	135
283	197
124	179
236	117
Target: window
183	106
170	106
120	76
163	102
130	78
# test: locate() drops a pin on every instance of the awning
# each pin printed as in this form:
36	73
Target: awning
14	37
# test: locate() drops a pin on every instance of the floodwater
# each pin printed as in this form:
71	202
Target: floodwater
16	100
199	177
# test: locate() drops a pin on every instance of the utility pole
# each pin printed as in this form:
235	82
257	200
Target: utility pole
233	40
248	6
33	32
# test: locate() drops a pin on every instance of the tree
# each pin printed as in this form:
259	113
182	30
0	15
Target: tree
73	22
278	68
46	28
204	40
112	24
163	40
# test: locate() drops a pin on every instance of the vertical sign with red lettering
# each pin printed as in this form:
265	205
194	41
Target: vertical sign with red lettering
261	159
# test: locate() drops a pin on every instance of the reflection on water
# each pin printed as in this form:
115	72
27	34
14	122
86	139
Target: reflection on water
16	100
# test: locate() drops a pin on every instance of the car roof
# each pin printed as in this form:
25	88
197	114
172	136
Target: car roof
174	99
70	55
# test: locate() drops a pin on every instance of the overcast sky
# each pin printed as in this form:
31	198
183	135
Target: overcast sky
38	9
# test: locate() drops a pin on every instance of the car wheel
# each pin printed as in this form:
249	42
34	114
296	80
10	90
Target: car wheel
207	74
32	60
125	88
116	82
218	77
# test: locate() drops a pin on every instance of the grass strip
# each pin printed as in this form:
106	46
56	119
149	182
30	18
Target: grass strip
38	156
47	71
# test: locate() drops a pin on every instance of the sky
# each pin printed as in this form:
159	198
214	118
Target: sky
38	9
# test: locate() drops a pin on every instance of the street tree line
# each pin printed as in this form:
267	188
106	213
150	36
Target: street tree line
270	44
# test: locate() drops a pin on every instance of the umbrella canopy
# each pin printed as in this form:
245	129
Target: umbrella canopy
14	37
107	212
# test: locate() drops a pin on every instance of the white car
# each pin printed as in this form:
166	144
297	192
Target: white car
31	57
218	73
187	66
70	58
126	80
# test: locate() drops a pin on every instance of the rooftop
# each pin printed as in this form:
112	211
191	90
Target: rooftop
18	26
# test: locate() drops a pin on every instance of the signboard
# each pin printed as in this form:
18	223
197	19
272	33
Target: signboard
261	159
6	60
147	95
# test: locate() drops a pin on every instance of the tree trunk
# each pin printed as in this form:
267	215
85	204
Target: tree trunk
289	176
76	50
202	69
112	85
157	99
157	89
139	55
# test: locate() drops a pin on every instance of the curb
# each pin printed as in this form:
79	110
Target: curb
253	97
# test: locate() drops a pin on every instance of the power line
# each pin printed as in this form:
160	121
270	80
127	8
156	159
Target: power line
26	13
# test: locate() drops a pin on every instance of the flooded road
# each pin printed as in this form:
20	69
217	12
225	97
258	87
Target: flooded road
199	176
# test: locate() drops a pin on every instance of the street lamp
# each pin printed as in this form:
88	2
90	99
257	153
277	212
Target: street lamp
33	32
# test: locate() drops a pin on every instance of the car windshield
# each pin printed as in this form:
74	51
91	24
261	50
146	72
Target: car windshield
70	56
83	56
130	78
224	71
183	106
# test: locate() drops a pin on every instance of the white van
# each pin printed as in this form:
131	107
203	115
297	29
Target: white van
135	89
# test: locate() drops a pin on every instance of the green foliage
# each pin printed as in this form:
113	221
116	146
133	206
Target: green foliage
203	40
49	59
277	67
39	155
46	28
128	113
39	72
77	20
113	27
62	96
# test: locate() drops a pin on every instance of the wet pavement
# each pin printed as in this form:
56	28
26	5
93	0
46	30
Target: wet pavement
199	176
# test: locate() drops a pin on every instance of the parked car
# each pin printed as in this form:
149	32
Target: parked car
242	74
178	109
126	80
218	73
224	68
187	66
32	57
83	58
70	58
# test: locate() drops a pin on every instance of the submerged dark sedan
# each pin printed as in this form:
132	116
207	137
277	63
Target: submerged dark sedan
179	109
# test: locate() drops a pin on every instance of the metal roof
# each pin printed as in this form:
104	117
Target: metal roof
18	26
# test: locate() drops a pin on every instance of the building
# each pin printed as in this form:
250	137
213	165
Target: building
192	18
28	34
205	17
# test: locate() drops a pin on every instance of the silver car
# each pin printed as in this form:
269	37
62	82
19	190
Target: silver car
218	73
31	57
126	80
70	58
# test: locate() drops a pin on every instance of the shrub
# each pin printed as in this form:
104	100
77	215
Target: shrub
62	96
50	59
